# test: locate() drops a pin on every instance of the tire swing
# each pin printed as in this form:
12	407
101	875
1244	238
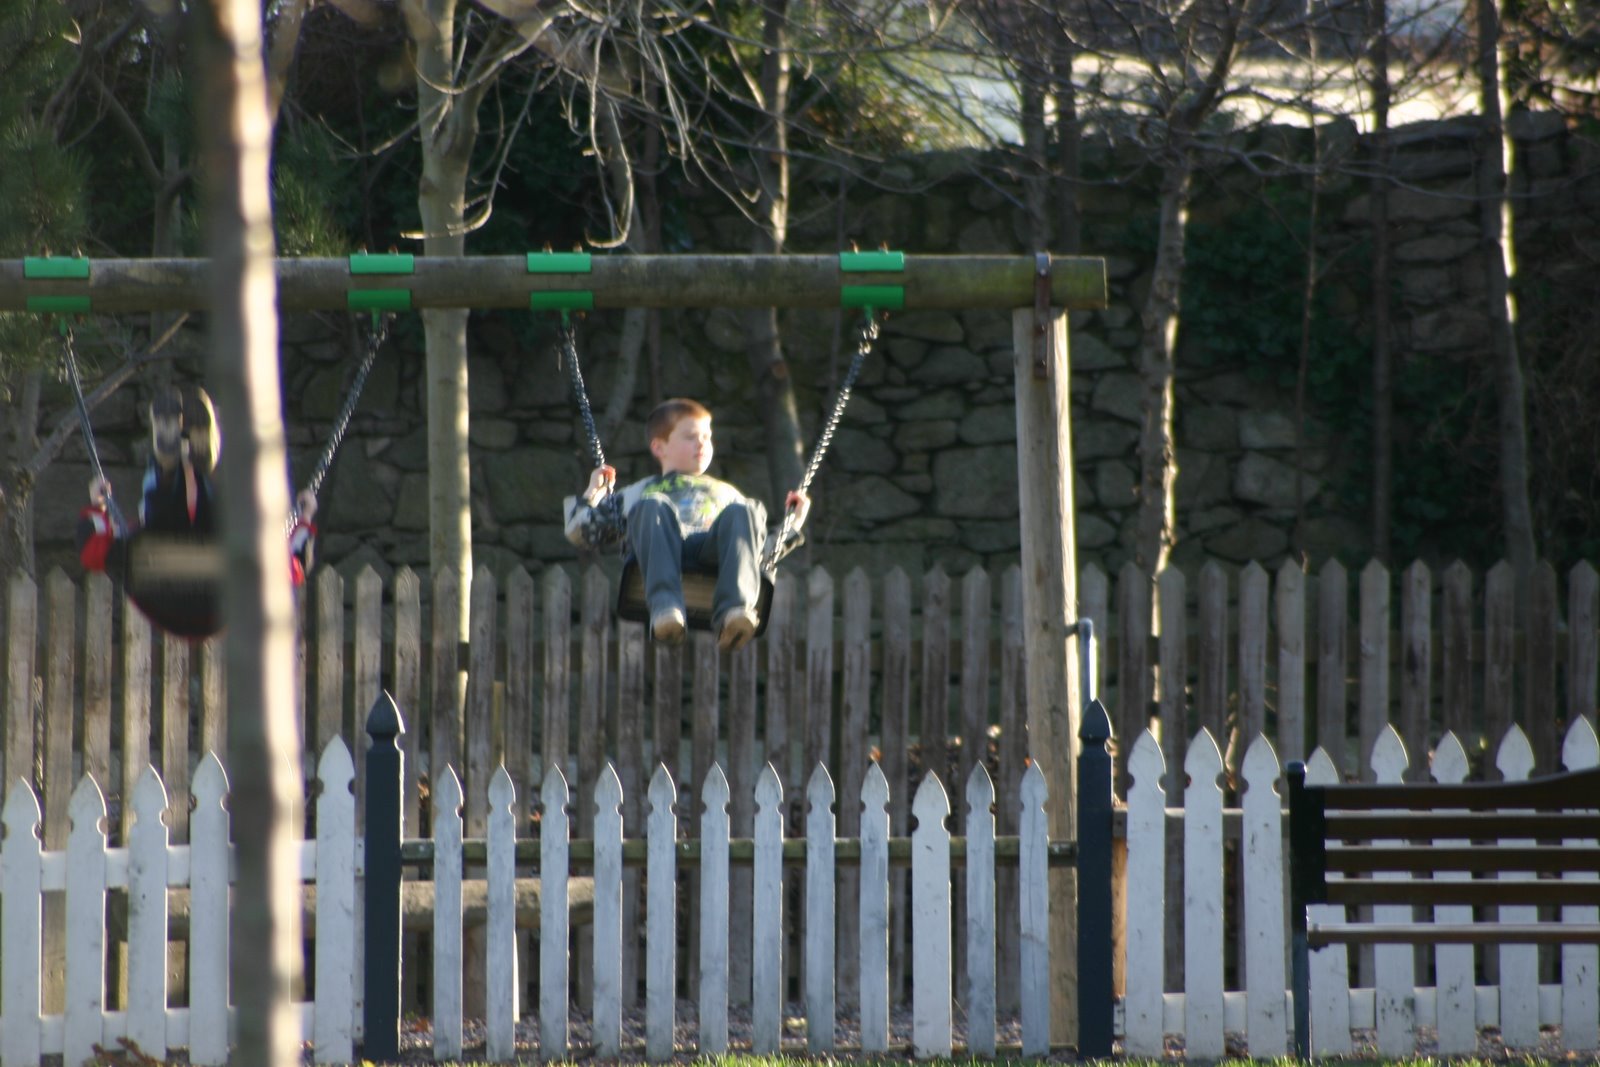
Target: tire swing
607	527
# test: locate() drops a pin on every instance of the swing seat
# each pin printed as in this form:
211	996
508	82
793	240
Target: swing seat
175	581
699	591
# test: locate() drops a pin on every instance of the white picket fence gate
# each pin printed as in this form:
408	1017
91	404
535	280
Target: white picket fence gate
151	865
1397	1004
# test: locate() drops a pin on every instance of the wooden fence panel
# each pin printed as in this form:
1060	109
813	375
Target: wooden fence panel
175	730
820	896
979	992
1290	623
1543	623
767	950
97	658
1333	659
873	914
86	936
329	592
21	876
1266	949
1583	654
557	666
631	711
1330	969
135	710
444	726
818	746
742	770
1373	713
1455	653
1393	970
408	687
1034	906
854	741
930	926
447	871
60	657
554	855
22	608
148	859
336	980
1211	686
1519	964
1455	1011
368	678
895	743
1146	881
933	726
502	989
214	697
1499	650
608	921
1203	900
1253	596
521	759
661	884
1133	667
479	725
714	925
1013	759
1416	659
706	711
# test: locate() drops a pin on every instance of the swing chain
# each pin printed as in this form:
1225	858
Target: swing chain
375	338
70	358
788	538
605	526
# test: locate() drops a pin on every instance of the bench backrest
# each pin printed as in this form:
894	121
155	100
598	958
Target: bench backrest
1360	844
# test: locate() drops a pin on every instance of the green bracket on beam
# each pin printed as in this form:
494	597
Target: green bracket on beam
877	297
866	262
559	263
378	299
73	268
383	263
57	268
561	299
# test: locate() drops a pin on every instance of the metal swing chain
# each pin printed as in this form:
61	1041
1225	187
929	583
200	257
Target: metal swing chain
604	527
375	339
70	358
787	534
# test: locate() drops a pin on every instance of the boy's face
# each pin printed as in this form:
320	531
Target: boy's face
687	449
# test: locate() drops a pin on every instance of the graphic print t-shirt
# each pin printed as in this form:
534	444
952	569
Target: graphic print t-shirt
697	498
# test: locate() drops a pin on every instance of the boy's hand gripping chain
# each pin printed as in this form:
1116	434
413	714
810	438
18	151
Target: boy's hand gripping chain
788	538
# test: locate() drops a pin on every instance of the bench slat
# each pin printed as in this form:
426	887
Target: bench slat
1485	892
1322	935
1534	859
1546	825
1556	792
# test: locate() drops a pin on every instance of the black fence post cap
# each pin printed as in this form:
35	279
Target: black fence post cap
1096	725
384	719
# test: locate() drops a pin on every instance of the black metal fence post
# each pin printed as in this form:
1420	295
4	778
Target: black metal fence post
1096	998
381	1010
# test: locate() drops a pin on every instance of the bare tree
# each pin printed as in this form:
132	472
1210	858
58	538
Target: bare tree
234	132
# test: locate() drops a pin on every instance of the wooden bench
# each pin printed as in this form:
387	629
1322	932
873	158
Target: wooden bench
1363	845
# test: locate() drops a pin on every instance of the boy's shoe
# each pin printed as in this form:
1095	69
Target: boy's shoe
667	626
736	628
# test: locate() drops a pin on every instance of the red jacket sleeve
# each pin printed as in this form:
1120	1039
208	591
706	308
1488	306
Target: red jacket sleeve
95	536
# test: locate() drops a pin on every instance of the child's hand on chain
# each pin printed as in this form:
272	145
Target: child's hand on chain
798	503
601	482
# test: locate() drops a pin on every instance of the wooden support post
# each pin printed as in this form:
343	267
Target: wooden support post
1049	611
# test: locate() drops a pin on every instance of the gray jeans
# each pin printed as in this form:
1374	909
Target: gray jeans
731	548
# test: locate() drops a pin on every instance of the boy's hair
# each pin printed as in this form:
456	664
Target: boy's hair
665	418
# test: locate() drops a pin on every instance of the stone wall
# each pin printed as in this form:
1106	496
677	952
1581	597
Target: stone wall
923	469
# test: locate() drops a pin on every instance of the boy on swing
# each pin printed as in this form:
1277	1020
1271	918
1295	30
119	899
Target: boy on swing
686	518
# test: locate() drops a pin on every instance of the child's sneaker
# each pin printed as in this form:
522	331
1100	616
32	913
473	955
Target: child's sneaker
667	626
737	627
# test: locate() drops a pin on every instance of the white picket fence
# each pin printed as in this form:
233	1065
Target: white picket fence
151	865
1396	1005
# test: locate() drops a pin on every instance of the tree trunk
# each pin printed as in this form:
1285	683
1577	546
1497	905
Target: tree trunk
1499	267
774	388
1382	360
448	127
264	756
1158	469
16	486
1068	137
